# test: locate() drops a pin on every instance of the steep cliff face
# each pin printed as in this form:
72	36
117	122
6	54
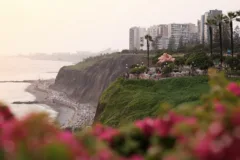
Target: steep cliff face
85	82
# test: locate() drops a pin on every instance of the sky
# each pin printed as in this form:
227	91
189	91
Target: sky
46	26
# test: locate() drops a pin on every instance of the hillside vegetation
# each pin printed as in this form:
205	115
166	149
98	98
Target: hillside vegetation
90	61
128	100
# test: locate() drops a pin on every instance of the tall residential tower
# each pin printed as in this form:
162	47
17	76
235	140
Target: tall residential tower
204	30
137	38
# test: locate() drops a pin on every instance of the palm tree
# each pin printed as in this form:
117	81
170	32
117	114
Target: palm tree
210	23
219	19
148	38
238	14
229	18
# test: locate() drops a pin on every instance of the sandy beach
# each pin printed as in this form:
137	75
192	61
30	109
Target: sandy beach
71	114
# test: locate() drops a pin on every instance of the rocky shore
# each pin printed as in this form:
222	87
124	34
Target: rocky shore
71	114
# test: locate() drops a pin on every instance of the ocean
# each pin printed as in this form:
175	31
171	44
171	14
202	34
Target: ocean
19	69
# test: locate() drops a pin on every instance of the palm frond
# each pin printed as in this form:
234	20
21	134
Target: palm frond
227	19
211	22
238	13
231	15
148	37
219	19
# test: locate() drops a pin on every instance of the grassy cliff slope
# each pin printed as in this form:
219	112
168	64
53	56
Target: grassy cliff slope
86	80
128	100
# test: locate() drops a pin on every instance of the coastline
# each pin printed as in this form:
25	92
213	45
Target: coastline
71	114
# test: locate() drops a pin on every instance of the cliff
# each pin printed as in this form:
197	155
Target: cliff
86	80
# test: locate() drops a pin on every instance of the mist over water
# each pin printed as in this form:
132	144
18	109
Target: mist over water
18	69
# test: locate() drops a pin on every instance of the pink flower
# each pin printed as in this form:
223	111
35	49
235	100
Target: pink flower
136	157
166	58
202	149
163	127
215	129
98	129
68	138
170	158
105	155
190	121
5	114
220	108
235	117
72	144
234	88
109	134
175	118
146	125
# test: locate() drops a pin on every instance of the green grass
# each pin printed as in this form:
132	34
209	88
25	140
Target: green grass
90	61
127	100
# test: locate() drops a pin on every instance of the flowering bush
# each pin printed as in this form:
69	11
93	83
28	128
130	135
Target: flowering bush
207	132
165	58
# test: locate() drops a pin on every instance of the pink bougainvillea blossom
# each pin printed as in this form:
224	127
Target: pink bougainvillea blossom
165	58
234	88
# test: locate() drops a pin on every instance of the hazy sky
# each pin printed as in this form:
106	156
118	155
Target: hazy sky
70	25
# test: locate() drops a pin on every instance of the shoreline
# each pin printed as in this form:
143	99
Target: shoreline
71	114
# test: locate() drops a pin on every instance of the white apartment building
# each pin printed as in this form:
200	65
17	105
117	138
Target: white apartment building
181	30
204	30
137	38
154	31
160	32
163	32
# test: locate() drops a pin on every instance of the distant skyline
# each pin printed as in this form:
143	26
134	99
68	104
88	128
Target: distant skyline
46	26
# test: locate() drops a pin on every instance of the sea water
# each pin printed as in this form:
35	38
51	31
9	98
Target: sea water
19	69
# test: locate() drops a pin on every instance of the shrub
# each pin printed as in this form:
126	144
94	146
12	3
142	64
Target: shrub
199	60
138	70
208	132
233	63
167	68
179	61
133	66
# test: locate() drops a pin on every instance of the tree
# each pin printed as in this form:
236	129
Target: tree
226	37
219	19
210	23
171	44
181	46
238	15
236	38
233	62
216	40
199	60
229	18
125	51
149	39
179	61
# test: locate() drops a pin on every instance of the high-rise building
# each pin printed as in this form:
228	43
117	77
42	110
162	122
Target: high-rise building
137	38
154	31
201	32
159	34
185	31
204	30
